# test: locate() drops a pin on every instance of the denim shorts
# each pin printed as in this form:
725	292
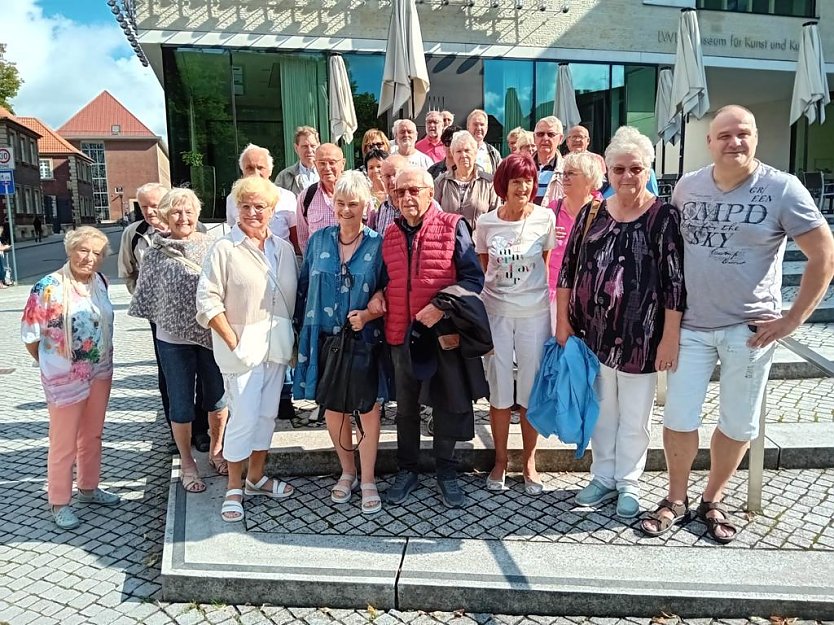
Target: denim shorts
183	366
744	373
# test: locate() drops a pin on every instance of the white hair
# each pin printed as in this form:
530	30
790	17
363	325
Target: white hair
353	185
150	187
176	197
630	141
552	120
462	137
586	163
253	148
400	122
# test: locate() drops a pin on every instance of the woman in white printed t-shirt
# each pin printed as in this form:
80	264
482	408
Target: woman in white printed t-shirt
514	244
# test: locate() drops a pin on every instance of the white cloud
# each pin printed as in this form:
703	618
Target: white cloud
65	64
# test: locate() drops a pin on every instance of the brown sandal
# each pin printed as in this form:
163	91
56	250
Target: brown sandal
191	481
219	464
713	524
681	515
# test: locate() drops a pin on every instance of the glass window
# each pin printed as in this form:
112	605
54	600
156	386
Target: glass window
101	199
46	169
365	76
791	8
508	96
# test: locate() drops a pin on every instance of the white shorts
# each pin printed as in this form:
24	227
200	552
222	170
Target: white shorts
253	406
524	338
744	373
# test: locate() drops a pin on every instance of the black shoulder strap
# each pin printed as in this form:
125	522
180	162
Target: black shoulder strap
137	235
103	279
308	197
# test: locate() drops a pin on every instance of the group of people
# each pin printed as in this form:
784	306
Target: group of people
438	286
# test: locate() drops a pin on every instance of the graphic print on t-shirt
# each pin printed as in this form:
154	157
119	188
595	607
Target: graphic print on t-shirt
717	224
513	264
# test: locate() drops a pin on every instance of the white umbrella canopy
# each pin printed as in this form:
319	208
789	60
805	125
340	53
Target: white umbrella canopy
342	112
405	79
564	107
689	81
667	118
810	87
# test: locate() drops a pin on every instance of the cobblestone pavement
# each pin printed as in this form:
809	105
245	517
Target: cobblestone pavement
107	571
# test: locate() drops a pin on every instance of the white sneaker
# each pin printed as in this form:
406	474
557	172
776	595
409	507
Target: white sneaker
314	413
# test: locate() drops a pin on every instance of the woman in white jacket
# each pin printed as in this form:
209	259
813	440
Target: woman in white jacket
246	295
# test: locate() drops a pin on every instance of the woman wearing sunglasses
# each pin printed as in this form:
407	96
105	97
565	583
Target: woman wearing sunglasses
341	271
621	290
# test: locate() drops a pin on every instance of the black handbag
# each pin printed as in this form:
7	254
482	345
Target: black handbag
348	373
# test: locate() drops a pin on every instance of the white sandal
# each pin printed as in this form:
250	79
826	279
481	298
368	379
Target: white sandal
340	494
371	503
279	489
230	505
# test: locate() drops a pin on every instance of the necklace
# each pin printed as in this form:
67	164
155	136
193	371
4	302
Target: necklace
524	215
358	234
346	250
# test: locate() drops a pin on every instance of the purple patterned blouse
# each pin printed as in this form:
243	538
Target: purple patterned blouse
623	277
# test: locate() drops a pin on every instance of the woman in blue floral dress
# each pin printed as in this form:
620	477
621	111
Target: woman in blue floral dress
67	328
341	271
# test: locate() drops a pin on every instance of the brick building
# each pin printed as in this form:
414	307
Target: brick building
66	177
125	153
28	198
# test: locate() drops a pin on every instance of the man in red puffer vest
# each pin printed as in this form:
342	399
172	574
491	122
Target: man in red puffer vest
425	250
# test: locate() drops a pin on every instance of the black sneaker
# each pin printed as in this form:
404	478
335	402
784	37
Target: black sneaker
451	494
286	411
404	484
201	442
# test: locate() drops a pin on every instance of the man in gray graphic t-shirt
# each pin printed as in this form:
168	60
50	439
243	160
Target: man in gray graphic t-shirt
735	217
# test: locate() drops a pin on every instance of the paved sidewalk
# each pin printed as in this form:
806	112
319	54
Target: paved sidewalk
107	571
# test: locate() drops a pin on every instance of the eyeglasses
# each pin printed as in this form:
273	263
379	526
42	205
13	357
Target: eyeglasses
347	276
258	209
412	191
570	174
619	170
549	133
378	144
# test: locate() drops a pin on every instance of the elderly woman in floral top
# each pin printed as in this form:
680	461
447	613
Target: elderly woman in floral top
621	290
67	327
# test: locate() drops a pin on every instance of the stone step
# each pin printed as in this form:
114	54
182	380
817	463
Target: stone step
505	552
824	312
310	451
792	272
788	366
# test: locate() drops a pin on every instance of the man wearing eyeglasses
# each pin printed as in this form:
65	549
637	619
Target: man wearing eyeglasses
547	137
487	157
314	210
431	145
389	210
405	137
578	139
425	252
298	177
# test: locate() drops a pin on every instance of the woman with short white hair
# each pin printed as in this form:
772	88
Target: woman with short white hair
621	290
342	270
581	175
67	328
246	295
165	295
465	189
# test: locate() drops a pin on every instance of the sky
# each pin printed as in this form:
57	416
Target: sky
69	51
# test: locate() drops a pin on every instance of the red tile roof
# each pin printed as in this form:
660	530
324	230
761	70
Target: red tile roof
97	118
50	142
7	114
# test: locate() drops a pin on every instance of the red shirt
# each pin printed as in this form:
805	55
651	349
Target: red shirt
435	151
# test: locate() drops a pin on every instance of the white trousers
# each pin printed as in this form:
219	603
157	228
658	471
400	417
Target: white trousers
621	436
253	406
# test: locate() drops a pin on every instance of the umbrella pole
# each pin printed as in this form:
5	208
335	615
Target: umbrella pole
683	145
662	157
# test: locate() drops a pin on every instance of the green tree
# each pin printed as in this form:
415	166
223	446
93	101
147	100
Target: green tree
10	80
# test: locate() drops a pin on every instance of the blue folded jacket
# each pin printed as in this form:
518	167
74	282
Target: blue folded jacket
563	401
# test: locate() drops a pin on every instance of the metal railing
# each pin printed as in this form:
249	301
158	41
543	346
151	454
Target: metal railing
755	477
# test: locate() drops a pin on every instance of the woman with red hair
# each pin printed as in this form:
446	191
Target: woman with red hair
514	244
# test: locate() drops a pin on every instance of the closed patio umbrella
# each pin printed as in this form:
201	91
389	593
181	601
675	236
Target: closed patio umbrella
405	79
689	80
342	112
667	118
513	115
810	87
564	107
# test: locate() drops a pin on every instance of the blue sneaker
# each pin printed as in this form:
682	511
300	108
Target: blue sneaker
404	484
628	504
451	494
594	494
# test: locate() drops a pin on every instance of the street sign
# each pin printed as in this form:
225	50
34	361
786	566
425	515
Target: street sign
6	182
6	158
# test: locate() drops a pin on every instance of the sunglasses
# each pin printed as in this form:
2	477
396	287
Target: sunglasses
541	133
619	170
412	191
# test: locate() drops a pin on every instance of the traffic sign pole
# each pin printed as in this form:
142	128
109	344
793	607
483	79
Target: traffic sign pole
11	234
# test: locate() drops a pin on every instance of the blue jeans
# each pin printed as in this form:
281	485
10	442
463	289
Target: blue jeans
181	364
